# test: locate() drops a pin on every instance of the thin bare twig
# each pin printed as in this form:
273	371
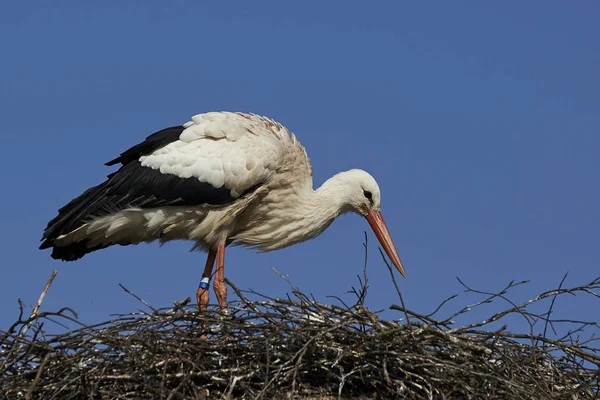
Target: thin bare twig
547	322
137	297
36	309
403	306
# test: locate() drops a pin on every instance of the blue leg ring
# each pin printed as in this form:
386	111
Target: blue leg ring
204	284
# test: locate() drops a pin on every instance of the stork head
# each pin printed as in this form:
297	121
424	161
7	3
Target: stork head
361	195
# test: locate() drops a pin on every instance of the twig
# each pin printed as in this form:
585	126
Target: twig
552	306
36	309
389	267
138	298
38	376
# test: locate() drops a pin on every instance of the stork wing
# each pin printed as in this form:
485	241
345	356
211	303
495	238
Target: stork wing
213	159
231	152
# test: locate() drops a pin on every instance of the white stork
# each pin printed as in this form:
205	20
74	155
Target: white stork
219	179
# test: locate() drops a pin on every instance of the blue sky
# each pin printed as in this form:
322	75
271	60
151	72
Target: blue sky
480	122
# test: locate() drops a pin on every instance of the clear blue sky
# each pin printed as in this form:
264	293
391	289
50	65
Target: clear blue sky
480	122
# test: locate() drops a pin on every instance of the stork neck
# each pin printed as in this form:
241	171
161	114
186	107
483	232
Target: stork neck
329	197
295	214
321	207
311	212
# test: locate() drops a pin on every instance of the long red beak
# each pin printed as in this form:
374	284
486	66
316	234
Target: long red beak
381	231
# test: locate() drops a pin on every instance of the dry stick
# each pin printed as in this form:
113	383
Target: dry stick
519	308
442	304
534	344
487	300
364	282
397	289
34	313
138	297
248	303
286	278
552	306
38	376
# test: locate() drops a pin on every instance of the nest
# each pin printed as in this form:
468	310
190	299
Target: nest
297	347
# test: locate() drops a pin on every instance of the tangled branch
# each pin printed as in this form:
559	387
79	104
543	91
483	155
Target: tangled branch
301	348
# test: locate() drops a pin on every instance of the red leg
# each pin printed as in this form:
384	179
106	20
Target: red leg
202	295
219	285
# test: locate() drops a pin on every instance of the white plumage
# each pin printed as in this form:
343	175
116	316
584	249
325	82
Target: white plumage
221	178
224	149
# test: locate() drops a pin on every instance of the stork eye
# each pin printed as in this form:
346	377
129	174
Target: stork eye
368	195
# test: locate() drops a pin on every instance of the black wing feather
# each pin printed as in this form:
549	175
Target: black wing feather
153	142
132	186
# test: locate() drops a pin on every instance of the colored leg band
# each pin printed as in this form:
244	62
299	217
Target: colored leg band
204	284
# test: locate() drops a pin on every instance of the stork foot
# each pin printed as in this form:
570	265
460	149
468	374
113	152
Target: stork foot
221	294
202	297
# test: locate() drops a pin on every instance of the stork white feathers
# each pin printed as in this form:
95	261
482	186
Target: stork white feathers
219	179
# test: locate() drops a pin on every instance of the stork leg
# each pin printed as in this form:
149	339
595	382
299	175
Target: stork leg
219	285
202	295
